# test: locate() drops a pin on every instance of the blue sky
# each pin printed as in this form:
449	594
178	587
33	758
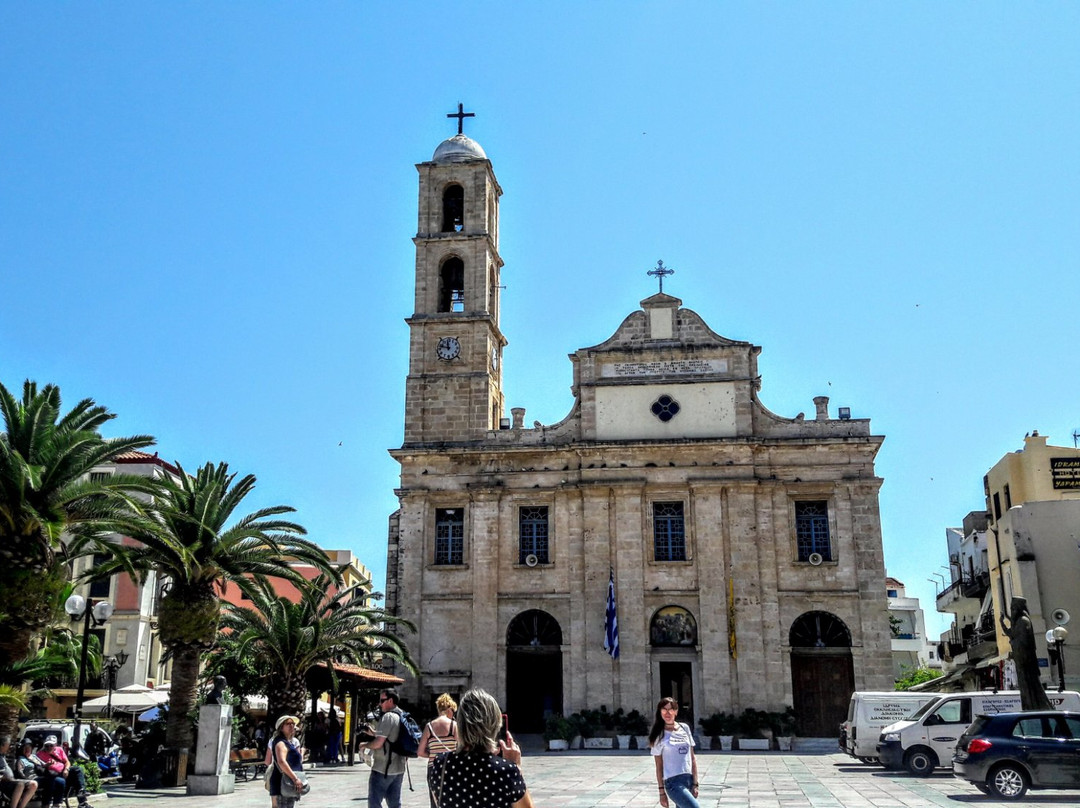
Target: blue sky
206	212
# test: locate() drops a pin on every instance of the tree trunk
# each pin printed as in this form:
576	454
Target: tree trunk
286	697
182	694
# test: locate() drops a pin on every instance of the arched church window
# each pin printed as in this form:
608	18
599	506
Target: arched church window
452	285
534	628
819	630
453	209
673	626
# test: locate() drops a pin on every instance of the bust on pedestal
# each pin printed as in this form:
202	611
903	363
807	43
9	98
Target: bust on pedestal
212	775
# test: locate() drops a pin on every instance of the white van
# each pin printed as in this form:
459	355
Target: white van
927	739
869	712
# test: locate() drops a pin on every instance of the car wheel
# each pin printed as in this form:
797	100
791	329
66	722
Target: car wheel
920	761
1009	782
869	761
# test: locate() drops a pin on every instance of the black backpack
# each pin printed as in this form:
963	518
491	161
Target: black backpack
408	739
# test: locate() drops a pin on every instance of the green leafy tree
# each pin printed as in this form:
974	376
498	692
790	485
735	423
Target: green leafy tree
916	676
46	493
287	639
190	535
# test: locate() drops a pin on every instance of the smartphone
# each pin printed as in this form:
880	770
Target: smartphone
504	728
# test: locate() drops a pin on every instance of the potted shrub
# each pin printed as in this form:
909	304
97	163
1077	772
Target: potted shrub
752	727
637	725
582	728
783	728
721	729
601	725
622	734
557	732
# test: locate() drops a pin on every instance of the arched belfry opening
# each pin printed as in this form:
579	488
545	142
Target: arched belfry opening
822	672
452	285
534	686
453	209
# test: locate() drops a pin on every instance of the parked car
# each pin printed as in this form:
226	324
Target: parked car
869	712
927	739
37	730
1006	754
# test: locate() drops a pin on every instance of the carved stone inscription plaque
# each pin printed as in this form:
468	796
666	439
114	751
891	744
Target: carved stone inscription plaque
678	367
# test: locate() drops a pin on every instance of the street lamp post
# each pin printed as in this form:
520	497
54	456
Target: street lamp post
77	606
1056	637
112	665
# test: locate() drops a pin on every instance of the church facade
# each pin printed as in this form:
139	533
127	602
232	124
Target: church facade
745	547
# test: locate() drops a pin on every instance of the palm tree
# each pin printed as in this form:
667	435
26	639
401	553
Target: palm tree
189	536
288	639
56	659
45	493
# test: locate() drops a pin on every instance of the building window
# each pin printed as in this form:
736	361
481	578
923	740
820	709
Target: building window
812	530
1008	498
103	588
892	593
99	476
449	536
665	408
669	531
533	533
453	209
997	505
452	285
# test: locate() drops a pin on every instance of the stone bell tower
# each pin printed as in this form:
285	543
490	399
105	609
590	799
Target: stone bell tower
453	393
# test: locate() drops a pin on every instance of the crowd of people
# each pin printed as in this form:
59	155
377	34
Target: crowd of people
473	760
47	770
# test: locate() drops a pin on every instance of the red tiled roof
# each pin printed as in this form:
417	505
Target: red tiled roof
370	676
135	456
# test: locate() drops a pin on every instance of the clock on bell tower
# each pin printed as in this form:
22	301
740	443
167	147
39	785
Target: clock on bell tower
453	393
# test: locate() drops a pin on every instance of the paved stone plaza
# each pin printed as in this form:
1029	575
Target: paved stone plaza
585	779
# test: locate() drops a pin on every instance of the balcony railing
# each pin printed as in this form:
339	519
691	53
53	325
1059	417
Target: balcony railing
976	586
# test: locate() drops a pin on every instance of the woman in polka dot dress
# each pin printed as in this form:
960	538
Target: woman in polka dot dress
483	772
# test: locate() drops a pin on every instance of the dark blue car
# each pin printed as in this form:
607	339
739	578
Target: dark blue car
1008	753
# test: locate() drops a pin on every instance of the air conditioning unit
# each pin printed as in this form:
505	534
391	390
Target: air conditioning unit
531	560
815	559
1060	616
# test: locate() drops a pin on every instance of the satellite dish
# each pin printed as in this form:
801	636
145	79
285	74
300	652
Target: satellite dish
531	560
1060	616
815	559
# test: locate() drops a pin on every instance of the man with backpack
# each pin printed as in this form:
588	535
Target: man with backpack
396	740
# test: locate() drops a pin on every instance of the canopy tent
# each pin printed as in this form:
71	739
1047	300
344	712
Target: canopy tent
130	699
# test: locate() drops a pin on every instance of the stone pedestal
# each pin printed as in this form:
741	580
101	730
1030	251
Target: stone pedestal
212	774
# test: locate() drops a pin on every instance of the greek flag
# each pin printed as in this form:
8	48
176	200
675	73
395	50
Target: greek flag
611	620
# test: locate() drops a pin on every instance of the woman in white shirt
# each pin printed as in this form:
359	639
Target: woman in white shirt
672	745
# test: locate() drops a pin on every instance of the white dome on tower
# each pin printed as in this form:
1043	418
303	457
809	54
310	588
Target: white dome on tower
458	149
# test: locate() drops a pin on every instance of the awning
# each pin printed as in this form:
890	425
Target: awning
130	699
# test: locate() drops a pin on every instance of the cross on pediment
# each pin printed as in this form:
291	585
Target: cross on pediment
660	272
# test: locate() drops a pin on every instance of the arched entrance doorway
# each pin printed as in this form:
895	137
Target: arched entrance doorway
822	673
673	627
533	670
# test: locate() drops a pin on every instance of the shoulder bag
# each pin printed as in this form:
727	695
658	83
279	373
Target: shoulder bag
289	789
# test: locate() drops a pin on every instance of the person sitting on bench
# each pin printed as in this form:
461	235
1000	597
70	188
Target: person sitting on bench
29	767
18	791
57	765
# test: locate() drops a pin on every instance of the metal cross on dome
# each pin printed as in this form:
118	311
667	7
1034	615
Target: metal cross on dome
461	115
660	272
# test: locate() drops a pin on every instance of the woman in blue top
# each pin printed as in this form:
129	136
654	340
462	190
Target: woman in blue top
288	759
672	745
